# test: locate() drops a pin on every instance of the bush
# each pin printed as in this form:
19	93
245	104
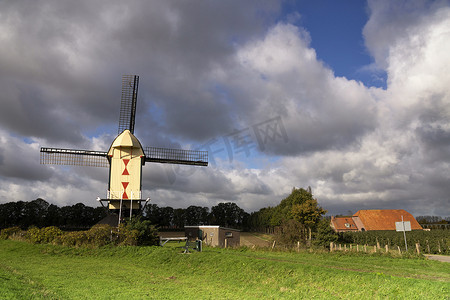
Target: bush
99	235
44	235
10	232
72	239
143	232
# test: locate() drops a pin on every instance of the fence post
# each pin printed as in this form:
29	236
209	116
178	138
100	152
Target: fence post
387	248
375	249
331	246
399	251
273	245
418	248
357	247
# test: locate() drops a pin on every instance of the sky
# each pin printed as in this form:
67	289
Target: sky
351	98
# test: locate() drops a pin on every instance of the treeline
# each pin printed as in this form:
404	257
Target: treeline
432	220
299	208
227	214
40	213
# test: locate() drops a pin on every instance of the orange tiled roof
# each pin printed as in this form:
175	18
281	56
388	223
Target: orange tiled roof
384	219
343	224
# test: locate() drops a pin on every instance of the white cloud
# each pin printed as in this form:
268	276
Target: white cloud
208	69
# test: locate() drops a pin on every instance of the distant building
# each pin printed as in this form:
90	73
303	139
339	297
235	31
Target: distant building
214	235
374	219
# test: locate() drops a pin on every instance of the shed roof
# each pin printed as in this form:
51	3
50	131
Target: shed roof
384	219
210	226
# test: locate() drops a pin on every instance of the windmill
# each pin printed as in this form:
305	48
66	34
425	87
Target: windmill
125	157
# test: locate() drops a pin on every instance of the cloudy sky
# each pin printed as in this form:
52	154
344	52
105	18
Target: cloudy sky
351	98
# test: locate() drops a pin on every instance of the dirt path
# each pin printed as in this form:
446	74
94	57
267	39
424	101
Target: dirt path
443	258
248	239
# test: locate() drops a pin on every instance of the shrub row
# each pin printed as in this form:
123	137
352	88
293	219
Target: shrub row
434	241
131	234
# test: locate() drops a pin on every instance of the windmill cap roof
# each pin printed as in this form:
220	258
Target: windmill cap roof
126	139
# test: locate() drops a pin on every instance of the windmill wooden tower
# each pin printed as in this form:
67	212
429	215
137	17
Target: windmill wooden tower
125	157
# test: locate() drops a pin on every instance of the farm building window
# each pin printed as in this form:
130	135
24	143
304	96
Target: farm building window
347	225
228	234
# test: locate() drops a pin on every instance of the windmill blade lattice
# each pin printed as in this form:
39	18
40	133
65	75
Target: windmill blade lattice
176	156
127	115
71	157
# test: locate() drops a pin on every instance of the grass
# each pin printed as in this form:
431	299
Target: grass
54	272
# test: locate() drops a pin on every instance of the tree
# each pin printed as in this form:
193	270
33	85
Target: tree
307	213
53	217
196	215
283	210
290	232
153	214
228	214
166	219
325	234
179	219
260	220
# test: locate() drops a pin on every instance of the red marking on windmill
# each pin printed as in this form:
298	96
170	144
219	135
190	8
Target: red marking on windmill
125	184
125	171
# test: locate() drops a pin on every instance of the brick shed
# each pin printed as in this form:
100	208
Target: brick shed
214	235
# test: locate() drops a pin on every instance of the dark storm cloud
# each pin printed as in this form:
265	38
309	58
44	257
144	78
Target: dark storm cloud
61	62
16	161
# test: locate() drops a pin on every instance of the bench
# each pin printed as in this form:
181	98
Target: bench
179	239
190	244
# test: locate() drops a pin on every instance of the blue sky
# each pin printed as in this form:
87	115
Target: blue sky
336	35
359	88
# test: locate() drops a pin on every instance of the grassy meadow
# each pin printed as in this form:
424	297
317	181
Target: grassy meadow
41	271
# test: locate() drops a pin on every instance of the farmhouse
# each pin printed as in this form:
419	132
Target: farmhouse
214	235
374	219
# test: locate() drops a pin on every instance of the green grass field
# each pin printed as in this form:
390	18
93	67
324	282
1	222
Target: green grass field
30	271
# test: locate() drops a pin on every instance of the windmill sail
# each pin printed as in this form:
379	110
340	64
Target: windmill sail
127	116
125	157
71	157
176	156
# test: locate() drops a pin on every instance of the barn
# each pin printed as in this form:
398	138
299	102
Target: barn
373	219
214	235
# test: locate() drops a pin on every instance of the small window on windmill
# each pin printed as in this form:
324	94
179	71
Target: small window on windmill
228	234
347	225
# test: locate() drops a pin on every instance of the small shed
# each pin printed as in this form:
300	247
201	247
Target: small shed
214	235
